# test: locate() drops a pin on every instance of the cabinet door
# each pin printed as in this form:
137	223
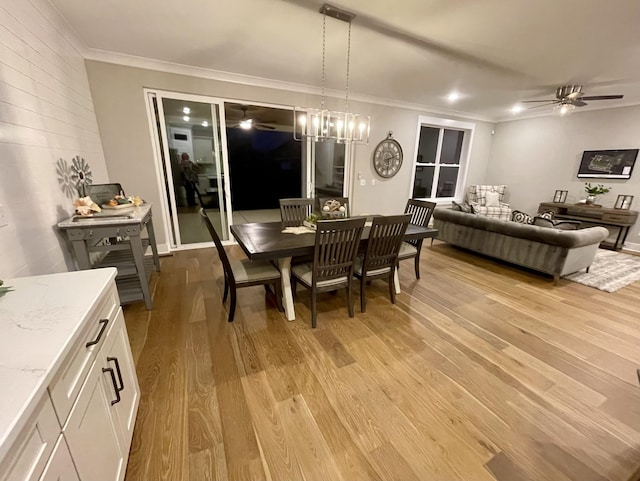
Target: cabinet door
119	357
92	436
60	466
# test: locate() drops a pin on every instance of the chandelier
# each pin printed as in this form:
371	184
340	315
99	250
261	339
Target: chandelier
322	125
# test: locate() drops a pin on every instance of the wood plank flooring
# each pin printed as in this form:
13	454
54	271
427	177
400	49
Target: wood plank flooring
481	371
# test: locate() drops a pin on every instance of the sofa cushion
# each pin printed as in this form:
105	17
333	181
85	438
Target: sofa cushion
542	221
521	217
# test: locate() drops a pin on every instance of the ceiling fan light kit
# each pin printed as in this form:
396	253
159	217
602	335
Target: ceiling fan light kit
568	97
321	125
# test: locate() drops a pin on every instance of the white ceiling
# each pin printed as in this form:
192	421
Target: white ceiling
493	52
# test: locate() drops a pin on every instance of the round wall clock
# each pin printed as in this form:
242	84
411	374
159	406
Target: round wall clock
387	157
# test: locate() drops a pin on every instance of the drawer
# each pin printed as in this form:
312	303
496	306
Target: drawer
60	466
67	383
30	453
623	219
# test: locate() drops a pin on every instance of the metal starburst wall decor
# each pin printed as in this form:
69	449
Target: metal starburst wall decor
81	175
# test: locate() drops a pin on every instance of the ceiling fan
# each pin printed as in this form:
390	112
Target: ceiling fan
247	123
571	96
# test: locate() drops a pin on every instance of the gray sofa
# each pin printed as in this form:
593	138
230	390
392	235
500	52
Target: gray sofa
544	249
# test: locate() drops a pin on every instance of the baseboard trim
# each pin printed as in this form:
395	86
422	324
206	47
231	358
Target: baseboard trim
631	246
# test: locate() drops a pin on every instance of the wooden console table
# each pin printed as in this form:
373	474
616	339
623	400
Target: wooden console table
602	216
127	255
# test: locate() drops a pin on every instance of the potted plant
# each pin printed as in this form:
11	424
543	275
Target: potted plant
593	191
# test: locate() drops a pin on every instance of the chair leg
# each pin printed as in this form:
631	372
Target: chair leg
363	295
232	305
417	264
392	289
278	289
350	298
313	308
226	290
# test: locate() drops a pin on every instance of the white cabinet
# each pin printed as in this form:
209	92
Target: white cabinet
100	426
77	423
60	466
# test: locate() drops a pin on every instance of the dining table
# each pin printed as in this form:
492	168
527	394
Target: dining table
269	241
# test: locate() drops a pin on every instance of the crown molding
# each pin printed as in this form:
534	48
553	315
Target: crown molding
181	69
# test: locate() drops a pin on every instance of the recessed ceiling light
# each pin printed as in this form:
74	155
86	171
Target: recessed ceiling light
186	110
453	96
205	123
185	118
517	108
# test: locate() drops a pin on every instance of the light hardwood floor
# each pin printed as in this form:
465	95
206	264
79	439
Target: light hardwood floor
479	372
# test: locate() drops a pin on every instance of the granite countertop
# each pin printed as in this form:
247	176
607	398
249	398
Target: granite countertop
39	322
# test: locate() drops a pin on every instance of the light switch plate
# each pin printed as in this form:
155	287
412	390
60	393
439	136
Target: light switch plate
3	217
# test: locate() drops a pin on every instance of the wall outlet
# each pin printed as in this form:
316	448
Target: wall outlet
3	217
363	182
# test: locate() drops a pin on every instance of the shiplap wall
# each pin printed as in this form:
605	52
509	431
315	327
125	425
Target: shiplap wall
46	114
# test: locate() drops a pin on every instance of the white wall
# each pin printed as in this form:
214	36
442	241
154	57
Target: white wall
46	113
120	108
534	157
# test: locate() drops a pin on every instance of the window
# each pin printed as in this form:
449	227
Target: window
443	147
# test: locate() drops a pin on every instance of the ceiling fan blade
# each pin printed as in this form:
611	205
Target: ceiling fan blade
577	102
265	126
602	97
543	105
531	101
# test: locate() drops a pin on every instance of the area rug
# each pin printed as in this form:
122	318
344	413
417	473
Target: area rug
609	272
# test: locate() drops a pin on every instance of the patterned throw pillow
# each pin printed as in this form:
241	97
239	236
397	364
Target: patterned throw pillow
546	215
522	217
492	199
463	207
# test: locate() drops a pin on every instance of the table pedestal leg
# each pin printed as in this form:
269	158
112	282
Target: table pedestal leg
287	295
396	280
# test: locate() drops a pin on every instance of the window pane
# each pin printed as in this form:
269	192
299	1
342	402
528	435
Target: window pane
447	182
451	146
424	181
428	145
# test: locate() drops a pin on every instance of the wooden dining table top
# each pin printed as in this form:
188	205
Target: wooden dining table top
265	240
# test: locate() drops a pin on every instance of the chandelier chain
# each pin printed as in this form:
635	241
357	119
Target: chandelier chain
324	49
346	97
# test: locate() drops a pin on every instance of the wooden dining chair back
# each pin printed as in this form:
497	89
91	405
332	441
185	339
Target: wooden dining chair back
421	212
243	273
336	246
381	255
294	211
343	201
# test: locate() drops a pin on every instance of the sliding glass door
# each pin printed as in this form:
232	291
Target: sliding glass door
191	143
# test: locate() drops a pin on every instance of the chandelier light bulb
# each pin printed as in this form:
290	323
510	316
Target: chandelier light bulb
185	118
186	110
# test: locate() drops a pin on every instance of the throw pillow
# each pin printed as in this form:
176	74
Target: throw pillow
546	215
542	221
492	199
521	217
566	225
464	207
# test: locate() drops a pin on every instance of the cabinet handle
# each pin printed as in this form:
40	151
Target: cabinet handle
115	359
113	380
104	323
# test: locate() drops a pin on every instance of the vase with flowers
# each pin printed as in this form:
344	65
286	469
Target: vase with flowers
593	191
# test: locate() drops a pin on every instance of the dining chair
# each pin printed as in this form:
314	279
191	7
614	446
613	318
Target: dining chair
381	255
294	211
243	272
421	212
336	246
343	201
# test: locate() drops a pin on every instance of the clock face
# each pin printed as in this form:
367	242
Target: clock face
387	158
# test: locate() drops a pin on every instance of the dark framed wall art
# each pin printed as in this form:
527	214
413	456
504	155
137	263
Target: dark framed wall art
607	164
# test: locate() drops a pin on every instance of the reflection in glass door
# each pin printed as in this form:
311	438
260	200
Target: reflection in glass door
193	147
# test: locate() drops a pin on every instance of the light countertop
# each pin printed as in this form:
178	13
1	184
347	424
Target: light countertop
39	322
